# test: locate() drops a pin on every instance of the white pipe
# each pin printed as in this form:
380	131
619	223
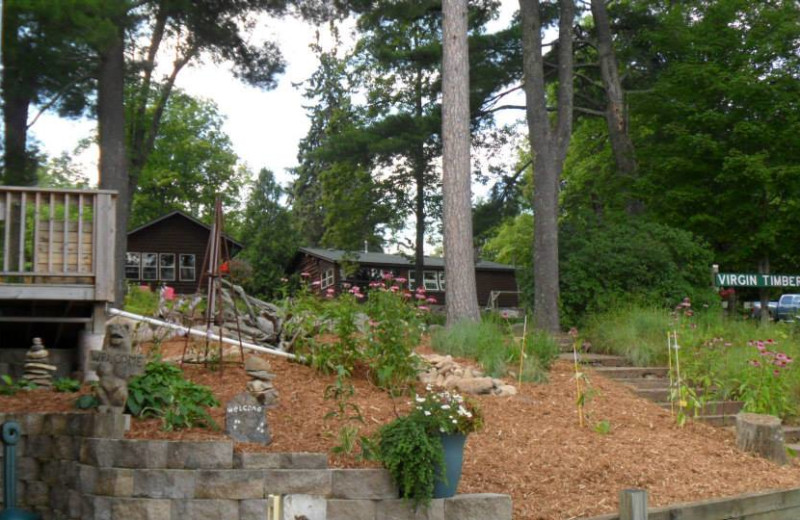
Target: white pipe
196	332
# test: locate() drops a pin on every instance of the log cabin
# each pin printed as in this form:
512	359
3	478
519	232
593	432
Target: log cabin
170	250
496	283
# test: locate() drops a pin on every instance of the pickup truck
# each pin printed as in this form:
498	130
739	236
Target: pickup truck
788	307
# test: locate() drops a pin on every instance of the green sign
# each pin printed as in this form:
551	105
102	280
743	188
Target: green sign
756	280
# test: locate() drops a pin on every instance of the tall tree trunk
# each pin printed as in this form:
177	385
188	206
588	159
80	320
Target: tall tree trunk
549	145
616	115
420	165
19	168
462	298
113	159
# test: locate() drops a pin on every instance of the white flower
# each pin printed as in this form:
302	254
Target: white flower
420	399
445	407
455	422
427	412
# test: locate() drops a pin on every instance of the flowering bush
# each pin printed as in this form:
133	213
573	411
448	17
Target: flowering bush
448	412
763	386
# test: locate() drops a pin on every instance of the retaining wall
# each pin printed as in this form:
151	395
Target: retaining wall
79	466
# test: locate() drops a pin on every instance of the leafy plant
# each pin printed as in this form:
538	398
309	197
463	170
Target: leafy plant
10	387
484	341
163	392
87	402
66	384
447	412
411	455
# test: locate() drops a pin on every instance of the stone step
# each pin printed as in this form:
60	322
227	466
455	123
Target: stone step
718	420
714	407
791	434
658	395
641	382
633	372
598	360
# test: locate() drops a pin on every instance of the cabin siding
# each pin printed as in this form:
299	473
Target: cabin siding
176	235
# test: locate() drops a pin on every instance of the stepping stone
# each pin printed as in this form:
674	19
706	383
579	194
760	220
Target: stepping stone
633	372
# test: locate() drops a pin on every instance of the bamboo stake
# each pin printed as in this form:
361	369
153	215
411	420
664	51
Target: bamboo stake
671	377
579	400
522	348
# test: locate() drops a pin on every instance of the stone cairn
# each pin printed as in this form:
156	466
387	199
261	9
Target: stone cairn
443	371
260	385
37	370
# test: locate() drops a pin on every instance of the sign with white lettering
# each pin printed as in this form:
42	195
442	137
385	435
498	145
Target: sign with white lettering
246	420
756	280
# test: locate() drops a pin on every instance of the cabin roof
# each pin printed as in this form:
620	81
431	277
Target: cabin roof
337	255
188	217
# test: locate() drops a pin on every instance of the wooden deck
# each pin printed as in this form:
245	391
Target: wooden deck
57	244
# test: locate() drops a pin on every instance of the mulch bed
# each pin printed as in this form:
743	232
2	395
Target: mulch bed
531	447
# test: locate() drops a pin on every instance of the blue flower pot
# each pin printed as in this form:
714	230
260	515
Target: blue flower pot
447	478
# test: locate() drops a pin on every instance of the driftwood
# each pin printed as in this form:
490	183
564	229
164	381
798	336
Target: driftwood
761	434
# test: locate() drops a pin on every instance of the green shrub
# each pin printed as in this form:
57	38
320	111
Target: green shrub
637	333
541	351
163	392
10	387
141	301
484	341
66	384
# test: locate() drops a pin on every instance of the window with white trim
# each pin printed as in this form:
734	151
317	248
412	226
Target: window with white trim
166	266
430	280
133	264
149	266
441	281
187	267
326	280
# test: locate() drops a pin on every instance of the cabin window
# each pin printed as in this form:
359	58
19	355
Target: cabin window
430	280
441	281
167	266
187	267
326	280
149	266
133	264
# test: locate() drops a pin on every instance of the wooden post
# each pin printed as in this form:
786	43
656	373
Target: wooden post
633	504
761	434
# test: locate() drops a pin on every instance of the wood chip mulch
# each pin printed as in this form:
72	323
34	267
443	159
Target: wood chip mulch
531	447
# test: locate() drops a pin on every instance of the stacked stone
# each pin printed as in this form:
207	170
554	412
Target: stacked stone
260	385
444	371
37	370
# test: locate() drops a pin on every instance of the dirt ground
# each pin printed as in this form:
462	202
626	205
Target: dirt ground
531	447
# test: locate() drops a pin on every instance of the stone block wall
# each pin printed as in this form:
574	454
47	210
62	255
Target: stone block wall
80	466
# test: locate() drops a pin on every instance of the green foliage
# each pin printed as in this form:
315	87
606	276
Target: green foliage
142	301
163	392
10	387
269	236
87	402
484	341
66	384
411	455
191	164
379	335
638	333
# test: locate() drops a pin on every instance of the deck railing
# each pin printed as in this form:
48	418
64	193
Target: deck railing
58	237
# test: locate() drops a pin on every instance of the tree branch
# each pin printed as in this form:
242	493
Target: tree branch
590	111
53	100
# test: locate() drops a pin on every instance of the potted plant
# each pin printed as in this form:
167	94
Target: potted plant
424	450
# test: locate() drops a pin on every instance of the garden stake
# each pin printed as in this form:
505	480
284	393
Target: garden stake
671	377
677	368
522	349
579	401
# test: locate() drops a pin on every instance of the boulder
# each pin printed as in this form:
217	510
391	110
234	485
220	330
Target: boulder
475	385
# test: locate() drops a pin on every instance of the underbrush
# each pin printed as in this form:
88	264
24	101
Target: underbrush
722	358
493	345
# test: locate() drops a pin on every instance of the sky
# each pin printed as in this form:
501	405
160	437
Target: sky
265	127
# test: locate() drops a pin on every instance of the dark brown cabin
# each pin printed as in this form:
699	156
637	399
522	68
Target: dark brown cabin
496	283
170	250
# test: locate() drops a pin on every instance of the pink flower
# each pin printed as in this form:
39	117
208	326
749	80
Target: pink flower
776	373
395	288
424	308
329	296
315	283
406	295
400	279
358	295
754	362
305	274
431	299
387	276
419	296
421	288
330	290
373	323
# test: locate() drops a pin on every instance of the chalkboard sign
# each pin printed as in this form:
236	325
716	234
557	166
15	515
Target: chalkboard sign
246	420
